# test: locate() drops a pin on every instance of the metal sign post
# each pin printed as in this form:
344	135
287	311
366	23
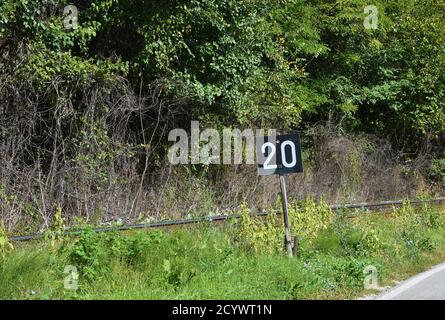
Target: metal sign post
281	155
287	237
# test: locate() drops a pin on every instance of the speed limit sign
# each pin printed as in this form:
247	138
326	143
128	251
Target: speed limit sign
279	154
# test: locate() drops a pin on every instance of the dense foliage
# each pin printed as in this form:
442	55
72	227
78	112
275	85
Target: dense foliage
258	62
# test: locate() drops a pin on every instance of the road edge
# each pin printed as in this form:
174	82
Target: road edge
410	282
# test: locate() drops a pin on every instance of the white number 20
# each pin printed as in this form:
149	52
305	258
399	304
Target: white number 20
271	146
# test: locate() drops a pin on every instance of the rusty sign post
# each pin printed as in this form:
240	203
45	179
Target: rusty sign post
281	155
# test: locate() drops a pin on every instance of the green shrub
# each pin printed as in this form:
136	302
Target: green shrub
5	244
432	217
437	171
349	272
328	242
137	247
412	228
416	240
356	237
93	252
308	217
88	254
55	232
257	234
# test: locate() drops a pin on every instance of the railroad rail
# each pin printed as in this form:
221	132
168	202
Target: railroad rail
166	223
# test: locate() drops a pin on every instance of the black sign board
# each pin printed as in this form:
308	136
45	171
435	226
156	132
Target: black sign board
279	154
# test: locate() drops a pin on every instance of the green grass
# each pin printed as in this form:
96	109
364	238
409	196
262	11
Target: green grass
227	261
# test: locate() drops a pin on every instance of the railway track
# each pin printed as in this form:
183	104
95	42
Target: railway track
166	223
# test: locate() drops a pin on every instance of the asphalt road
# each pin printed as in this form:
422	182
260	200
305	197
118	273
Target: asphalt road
428	285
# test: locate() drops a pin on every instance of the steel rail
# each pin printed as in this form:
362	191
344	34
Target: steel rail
167	223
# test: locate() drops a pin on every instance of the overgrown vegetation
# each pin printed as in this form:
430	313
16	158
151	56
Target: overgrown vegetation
84	112
84	118
243	259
